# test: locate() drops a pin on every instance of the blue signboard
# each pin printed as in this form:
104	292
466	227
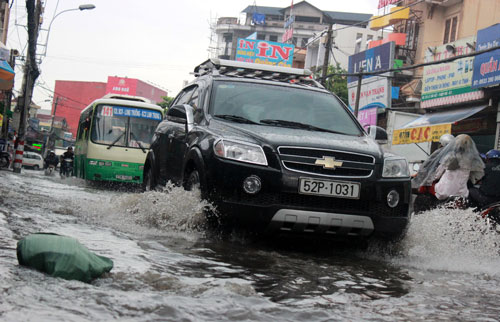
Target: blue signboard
371	60
487	65
264	52
130	112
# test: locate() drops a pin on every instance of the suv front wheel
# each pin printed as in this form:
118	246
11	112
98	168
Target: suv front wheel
147	180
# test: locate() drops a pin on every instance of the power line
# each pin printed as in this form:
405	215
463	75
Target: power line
447	60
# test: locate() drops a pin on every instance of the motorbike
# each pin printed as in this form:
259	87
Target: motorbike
491	213
50	170
4	159
66	168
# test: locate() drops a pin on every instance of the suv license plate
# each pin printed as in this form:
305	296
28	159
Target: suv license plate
340	189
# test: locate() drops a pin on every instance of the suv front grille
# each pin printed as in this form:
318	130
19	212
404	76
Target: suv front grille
303	160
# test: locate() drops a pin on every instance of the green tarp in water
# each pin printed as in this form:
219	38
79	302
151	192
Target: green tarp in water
61	256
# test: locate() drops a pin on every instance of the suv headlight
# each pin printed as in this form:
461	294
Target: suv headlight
240	151
395	167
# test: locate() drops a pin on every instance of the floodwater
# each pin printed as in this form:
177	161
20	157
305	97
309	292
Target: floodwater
167	267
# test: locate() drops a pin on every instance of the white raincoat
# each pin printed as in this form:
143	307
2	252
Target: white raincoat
460	162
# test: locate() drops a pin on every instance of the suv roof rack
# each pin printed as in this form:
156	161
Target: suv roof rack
234	68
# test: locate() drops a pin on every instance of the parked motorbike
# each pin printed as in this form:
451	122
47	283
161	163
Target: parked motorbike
4	159
50	170
66	168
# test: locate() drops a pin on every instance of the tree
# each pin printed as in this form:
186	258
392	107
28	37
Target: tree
337	83
166	101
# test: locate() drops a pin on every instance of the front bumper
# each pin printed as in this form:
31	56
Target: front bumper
279	206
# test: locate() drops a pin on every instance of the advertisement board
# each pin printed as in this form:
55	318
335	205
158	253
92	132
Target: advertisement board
264	52
449	83
121	85
487	66
420	134
375	90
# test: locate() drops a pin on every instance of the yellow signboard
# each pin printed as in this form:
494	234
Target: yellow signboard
420	134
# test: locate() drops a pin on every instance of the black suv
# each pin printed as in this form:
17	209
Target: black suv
274	150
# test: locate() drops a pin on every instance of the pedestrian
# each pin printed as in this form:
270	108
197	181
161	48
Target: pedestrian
459	163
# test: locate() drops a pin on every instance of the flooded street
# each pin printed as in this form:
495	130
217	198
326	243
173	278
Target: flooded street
168	268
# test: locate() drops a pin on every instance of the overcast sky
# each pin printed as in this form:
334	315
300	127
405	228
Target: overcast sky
158	41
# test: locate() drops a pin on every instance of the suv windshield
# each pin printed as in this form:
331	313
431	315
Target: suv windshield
281	106
124	126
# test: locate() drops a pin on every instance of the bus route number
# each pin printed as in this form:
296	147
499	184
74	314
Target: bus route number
107	111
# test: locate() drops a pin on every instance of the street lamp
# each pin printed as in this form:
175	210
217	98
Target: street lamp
81	8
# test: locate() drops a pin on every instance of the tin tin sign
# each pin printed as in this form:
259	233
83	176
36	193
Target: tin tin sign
264	52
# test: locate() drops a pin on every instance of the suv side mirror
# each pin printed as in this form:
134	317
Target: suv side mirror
182	114
377	133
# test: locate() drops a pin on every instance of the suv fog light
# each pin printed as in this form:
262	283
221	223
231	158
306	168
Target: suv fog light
252	184
393	198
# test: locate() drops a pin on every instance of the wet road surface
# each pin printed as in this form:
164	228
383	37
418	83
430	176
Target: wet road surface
168	268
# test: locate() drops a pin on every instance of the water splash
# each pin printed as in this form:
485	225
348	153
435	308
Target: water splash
453	240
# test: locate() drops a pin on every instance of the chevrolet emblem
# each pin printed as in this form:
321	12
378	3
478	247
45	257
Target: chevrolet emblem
328	163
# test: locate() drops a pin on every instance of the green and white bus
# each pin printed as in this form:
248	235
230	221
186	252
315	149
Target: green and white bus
113	139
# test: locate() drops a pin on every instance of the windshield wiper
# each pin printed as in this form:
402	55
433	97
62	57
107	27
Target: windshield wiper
138	143
116	140
299	125
235	118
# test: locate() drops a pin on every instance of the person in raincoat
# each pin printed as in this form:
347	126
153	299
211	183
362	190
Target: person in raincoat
460	162
489	189
426	174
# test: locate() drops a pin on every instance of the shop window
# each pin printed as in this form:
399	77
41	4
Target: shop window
450	30
261	36
273	38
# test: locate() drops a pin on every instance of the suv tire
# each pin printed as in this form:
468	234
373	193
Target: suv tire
147	180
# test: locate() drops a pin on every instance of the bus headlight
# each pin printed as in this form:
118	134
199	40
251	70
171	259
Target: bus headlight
93	162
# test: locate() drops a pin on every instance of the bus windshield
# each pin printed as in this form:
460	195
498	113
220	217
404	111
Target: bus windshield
124	126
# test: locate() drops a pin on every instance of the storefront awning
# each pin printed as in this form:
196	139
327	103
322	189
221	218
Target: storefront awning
431	126
6	76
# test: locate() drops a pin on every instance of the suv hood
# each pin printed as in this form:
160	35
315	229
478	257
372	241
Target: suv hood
274	136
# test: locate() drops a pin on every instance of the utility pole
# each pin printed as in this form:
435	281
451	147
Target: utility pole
358	92
51	131
31	73
328	46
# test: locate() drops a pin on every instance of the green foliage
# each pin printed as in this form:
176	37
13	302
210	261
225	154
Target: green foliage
166	101
337	83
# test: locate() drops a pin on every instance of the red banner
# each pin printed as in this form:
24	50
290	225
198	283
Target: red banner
383	3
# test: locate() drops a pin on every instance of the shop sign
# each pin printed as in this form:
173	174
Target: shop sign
375	92
450	80
371	60
487	65
368	117
430	133
264	52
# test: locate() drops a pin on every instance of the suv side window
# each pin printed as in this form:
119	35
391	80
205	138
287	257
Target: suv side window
184	96
194	100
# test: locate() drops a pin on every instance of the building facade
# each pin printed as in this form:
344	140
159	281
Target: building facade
308	23
444	93
71	97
